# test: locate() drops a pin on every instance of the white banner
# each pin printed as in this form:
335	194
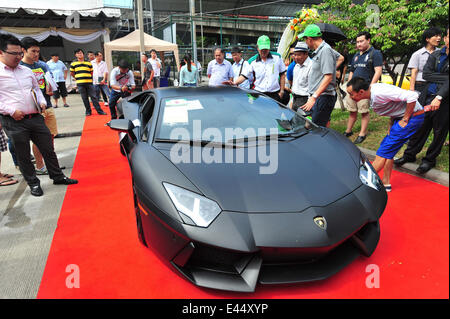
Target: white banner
73	38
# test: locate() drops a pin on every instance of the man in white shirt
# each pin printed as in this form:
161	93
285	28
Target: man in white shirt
100	77
299	82
219	70
431	39
122	85
156	65
406	113
91	56
269	71
241	69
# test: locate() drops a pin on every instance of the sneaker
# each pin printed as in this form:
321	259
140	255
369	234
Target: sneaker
41	171
100	112
66	105
388	188
106	104
56	106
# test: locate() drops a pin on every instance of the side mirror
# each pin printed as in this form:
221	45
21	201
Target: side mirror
122	125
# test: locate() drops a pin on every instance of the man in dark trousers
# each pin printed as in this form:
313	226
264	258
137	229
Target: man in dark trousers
321	78
21	104
435	95
82	71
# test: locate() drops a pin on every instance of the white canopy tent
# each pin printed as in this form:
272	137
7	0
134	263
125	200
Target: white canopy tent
131	42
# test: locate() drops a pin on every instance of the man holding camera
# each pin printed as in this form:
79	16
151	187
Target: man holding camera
122	85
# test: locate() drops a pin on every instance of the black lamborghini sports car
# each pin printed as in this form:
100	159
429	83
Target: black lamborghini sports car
235	189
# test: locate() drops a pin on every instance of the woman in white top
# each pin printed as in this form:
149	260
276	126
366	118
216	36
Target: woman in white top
188	73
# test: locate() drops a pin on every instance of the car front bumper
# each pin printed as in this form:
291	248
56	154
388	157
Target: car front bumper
238	250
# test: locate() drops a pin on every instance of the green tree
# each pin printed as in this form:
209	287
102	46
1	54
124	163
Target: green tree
396	26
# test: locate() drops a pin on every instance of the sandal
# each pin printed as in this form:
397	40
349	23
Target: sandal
8	182
388	188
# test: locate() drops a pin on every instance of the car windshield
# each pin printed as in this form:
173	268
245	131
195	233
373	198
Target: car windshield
227	118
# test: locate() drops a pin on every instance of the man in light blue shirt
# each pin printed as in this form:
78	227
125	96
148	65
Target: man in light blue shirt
59	73
219	70
241	67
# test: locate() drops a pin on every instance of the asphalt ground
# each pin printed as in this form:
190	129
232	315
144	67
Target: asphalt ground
28	223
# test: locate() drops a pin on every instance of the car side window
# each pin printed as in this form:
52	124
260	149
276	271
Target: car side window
145	116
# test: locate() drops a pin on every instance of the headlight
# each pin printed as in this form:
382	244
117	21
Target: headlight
201	210
368	175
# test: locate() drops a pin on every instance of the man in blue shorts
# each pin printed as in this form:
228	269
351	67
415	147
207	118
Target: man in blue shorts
406	114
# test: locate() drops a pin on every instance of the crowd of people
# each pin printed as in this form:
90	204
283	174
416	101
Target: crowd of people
317	70
26	86
309	83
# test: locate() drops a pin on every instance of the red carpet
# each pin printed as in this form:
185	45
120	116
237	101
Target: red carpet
97	232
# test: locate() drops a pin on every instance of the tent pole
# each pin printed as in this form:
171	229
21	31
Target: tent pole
141	33
193	33
152	16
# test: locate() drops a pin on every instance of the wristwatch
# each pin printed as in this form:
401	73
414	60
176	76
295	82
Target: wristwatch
439	97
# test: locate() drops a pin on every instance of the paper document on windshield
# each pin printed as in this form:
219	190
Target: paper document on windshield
185	104
175	115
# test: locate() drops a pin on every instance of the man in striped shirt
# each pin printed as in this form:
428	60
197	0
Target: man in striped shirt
82	71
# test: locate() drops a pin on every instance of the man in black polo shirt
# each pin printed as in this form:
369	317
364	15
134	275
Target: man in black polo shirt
366	64
82	71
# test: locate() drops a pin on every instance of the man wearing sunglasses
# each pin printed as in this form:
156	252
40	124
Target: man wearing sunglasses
21	104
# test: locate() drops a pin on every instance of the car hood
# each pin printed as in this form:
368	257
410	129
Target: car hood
313	170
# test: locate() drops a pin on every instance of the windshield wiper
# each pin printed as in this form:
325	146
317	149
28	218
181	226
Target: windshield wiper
192	142
294	135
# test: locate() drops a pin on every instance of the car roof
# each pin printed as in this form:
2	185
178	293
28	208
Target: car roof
194	91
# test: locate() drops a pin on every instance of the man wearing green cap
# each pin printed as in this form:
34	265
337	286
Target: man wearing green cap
269	71
322	76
